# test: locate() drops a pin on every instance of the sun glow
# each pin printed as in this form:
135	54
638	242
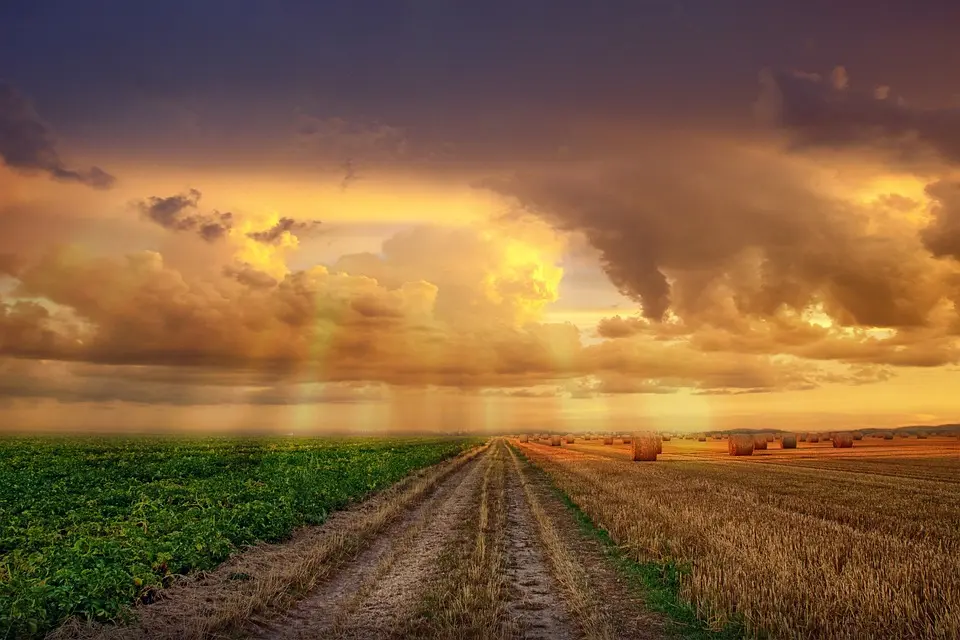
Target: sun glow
527	276
906	195
267	257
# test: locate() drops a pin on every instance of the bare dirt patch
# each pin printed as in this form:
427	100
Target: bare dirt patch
534	601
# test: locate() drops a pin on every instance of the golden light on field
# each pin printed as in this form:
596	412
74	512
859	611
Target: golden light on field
785	505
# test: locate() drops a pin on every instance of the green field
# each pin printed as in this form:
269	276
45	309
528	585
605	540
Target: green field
89	526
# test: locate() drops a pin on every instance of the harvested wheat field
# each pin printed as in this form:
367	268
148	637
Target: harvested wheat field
859	541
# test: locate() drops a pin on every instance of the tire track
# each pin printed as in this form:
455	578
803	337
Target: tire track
469	596
535	603
370	595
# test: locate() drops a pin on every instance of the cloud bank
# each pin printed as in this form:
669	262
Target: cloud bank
27	143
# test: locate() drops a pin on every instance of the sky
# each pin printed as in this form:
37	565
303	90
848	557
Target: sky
428	215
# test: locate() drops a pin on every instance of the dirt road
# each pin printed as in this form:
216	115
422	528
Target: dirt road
477	547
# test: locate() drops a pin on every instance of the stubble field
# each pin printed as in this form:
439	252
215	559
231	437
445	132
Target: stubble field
809	542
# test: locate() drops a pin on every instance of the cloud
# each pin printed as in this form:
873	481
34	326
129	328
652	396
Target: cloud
785	335
737	245
274	235
836	115
368	319
485	276
76	382
942	236
720	231
616	383
28	329
526	392
179	213
27	144
249	276
138	310
617	327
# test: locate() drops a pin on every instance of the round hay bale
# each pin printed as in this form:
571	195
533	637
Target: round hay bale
666	437
645	447
858	435
626	440
842	440
524	438
802	437
788	441
888	435
740	444
813	438
769	437
921	436
570	439
759	443
554	441
659	444
608	441
701	438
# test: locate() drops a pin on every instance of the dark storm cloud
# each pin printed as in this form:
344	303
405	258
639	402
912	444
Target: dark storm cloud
480	75
819	112
179	213
274	234
718	233
166	211
27	144
942	236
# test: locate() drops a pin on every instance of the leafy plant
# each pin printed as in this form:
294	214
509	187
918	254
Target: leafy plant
89	526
